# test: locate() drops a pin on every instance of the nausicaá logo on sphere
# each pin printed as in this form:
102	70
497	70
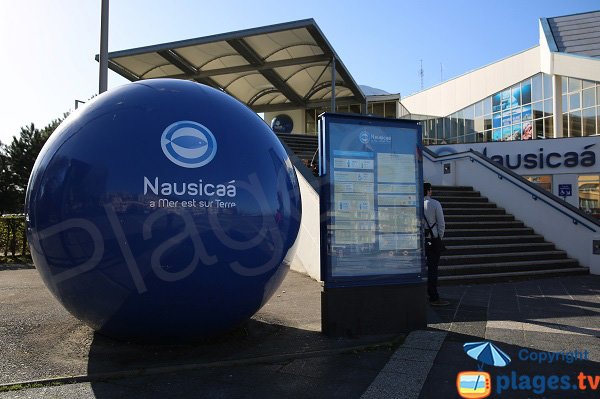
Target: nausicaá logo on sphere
188	144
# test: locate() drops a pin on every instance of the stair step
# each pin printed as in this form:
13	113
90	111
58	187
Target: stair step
461	199
304	154
444	194
484	240
303	142
474	211
485	224
498	248
301	146
449	260
474	205
478	218
504	276
520	266
485	243
486	232
304	146
451	188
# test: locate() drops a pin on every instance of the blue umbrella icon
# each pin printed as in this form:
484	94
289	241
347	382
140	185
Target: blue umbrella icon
486	353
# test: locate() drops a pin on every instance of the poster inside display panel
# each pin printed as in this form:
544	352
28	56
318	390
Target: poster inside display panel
372	198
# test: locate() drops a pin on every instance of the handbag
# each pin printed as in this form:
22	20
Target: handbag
432	242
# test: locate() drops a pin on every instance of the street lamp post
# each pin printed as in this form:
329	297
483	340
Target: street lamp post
103	81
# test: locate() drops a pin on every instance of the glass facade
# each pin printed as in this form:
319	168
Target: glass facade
589	194
521	112
581	102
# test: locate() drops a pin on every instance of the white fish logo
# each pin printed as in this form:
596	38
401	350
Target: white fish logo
364	137
188	144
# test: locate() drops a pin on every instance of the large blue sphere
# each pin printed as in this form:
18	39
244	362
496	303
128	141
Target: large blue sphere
163	210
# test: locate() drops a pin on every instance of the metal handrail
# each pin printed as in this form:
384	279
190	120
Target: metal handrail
538	193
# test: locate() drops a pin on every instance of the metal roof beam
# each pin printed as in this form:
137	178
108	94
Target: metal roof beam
321	86
254	59
315	33
122	71
308	94
250	68
347	78
178	61
183	64
260	94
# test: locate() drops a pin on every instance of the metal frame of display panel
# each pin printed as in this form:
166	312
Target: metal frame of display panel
371	200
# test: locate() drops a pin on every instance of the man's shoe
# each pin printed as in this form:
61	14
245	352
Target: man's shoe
439	302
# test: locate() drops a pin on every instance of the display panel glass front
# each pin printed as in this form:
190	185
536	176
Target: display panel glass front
373	207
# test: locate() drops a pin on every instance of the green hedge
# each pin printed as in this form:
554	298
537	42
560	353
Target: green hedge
13	242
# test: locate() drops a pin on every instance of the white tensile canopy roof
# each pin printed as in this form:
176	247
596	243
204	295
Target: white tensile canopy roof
271	68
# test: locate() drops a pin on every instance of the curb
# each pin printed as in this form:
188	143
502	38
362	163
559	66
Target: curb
405	373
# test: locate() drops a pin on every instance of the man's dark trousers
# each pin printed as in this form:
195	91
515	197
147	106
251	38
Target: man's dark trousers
433	260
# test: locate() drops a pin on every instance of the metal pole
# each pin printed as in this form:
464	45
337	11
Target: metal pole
333	77
103	80
557	117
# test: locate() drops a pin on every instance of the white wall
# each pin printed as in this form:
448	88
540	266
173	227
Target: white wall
576	66
460	92
432	174
307	259
546	60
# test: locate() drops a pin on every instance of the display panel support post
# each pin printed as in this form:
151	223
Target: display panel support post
373	310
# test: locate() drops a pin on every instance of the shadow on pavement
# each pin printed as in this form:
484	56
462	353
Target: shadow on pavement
256	360
568	305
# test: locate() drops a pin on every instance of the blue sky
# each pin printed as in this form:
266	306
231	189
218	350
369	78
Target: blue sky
48	47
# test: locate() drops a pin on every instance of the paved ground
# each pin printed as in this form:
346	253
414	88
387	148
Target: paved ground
522	319
281	353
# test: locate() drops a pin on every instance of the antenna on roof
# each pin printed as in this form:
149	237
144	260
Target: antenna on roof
441	72
421	74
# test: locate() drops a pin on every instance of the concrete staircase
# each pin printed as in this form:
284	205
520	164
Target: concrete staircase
304	146
484	242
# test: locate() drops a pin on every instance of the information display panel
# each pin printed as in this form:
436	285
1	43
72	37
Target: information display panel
371	200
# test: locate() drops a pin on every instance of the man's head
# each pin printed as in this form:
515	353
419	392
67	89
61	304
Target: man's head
427	189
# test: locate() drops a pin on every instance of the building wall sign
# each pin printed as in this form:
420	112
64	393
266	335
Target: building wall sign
552	156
